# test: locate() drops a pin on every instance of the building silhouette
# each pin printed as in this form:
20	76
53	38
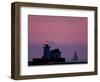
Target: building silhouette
53	54
49	56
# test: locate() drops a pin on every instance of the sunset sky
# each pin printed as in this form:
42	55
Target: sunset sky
66	33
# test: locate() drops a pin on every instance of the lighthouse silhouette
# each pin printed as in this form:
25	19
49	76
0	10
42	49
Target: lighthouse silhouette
50	54
48	57
46	52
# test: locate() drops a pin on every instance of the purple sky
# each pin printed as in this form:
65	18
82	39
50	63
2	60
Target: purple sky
66	33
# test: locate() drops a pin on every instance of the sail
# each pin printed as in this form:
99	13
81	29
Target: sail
75	57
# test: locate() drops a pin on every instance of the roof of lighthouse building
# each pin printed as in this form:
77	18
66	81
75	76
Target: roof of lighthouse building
56	51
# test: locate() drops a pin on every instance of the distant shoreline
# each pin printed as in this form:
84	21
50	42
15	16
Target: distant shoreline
60	63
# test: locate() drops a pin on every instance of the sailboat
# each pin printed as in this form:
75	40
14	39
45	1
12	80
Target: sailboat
75	57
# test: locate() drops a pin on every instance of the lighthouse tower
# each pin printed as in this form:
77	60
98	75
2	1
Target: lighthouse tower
46	51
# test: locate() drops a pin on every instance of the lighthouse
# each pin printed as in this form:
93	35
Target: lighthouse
48	57
46	50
